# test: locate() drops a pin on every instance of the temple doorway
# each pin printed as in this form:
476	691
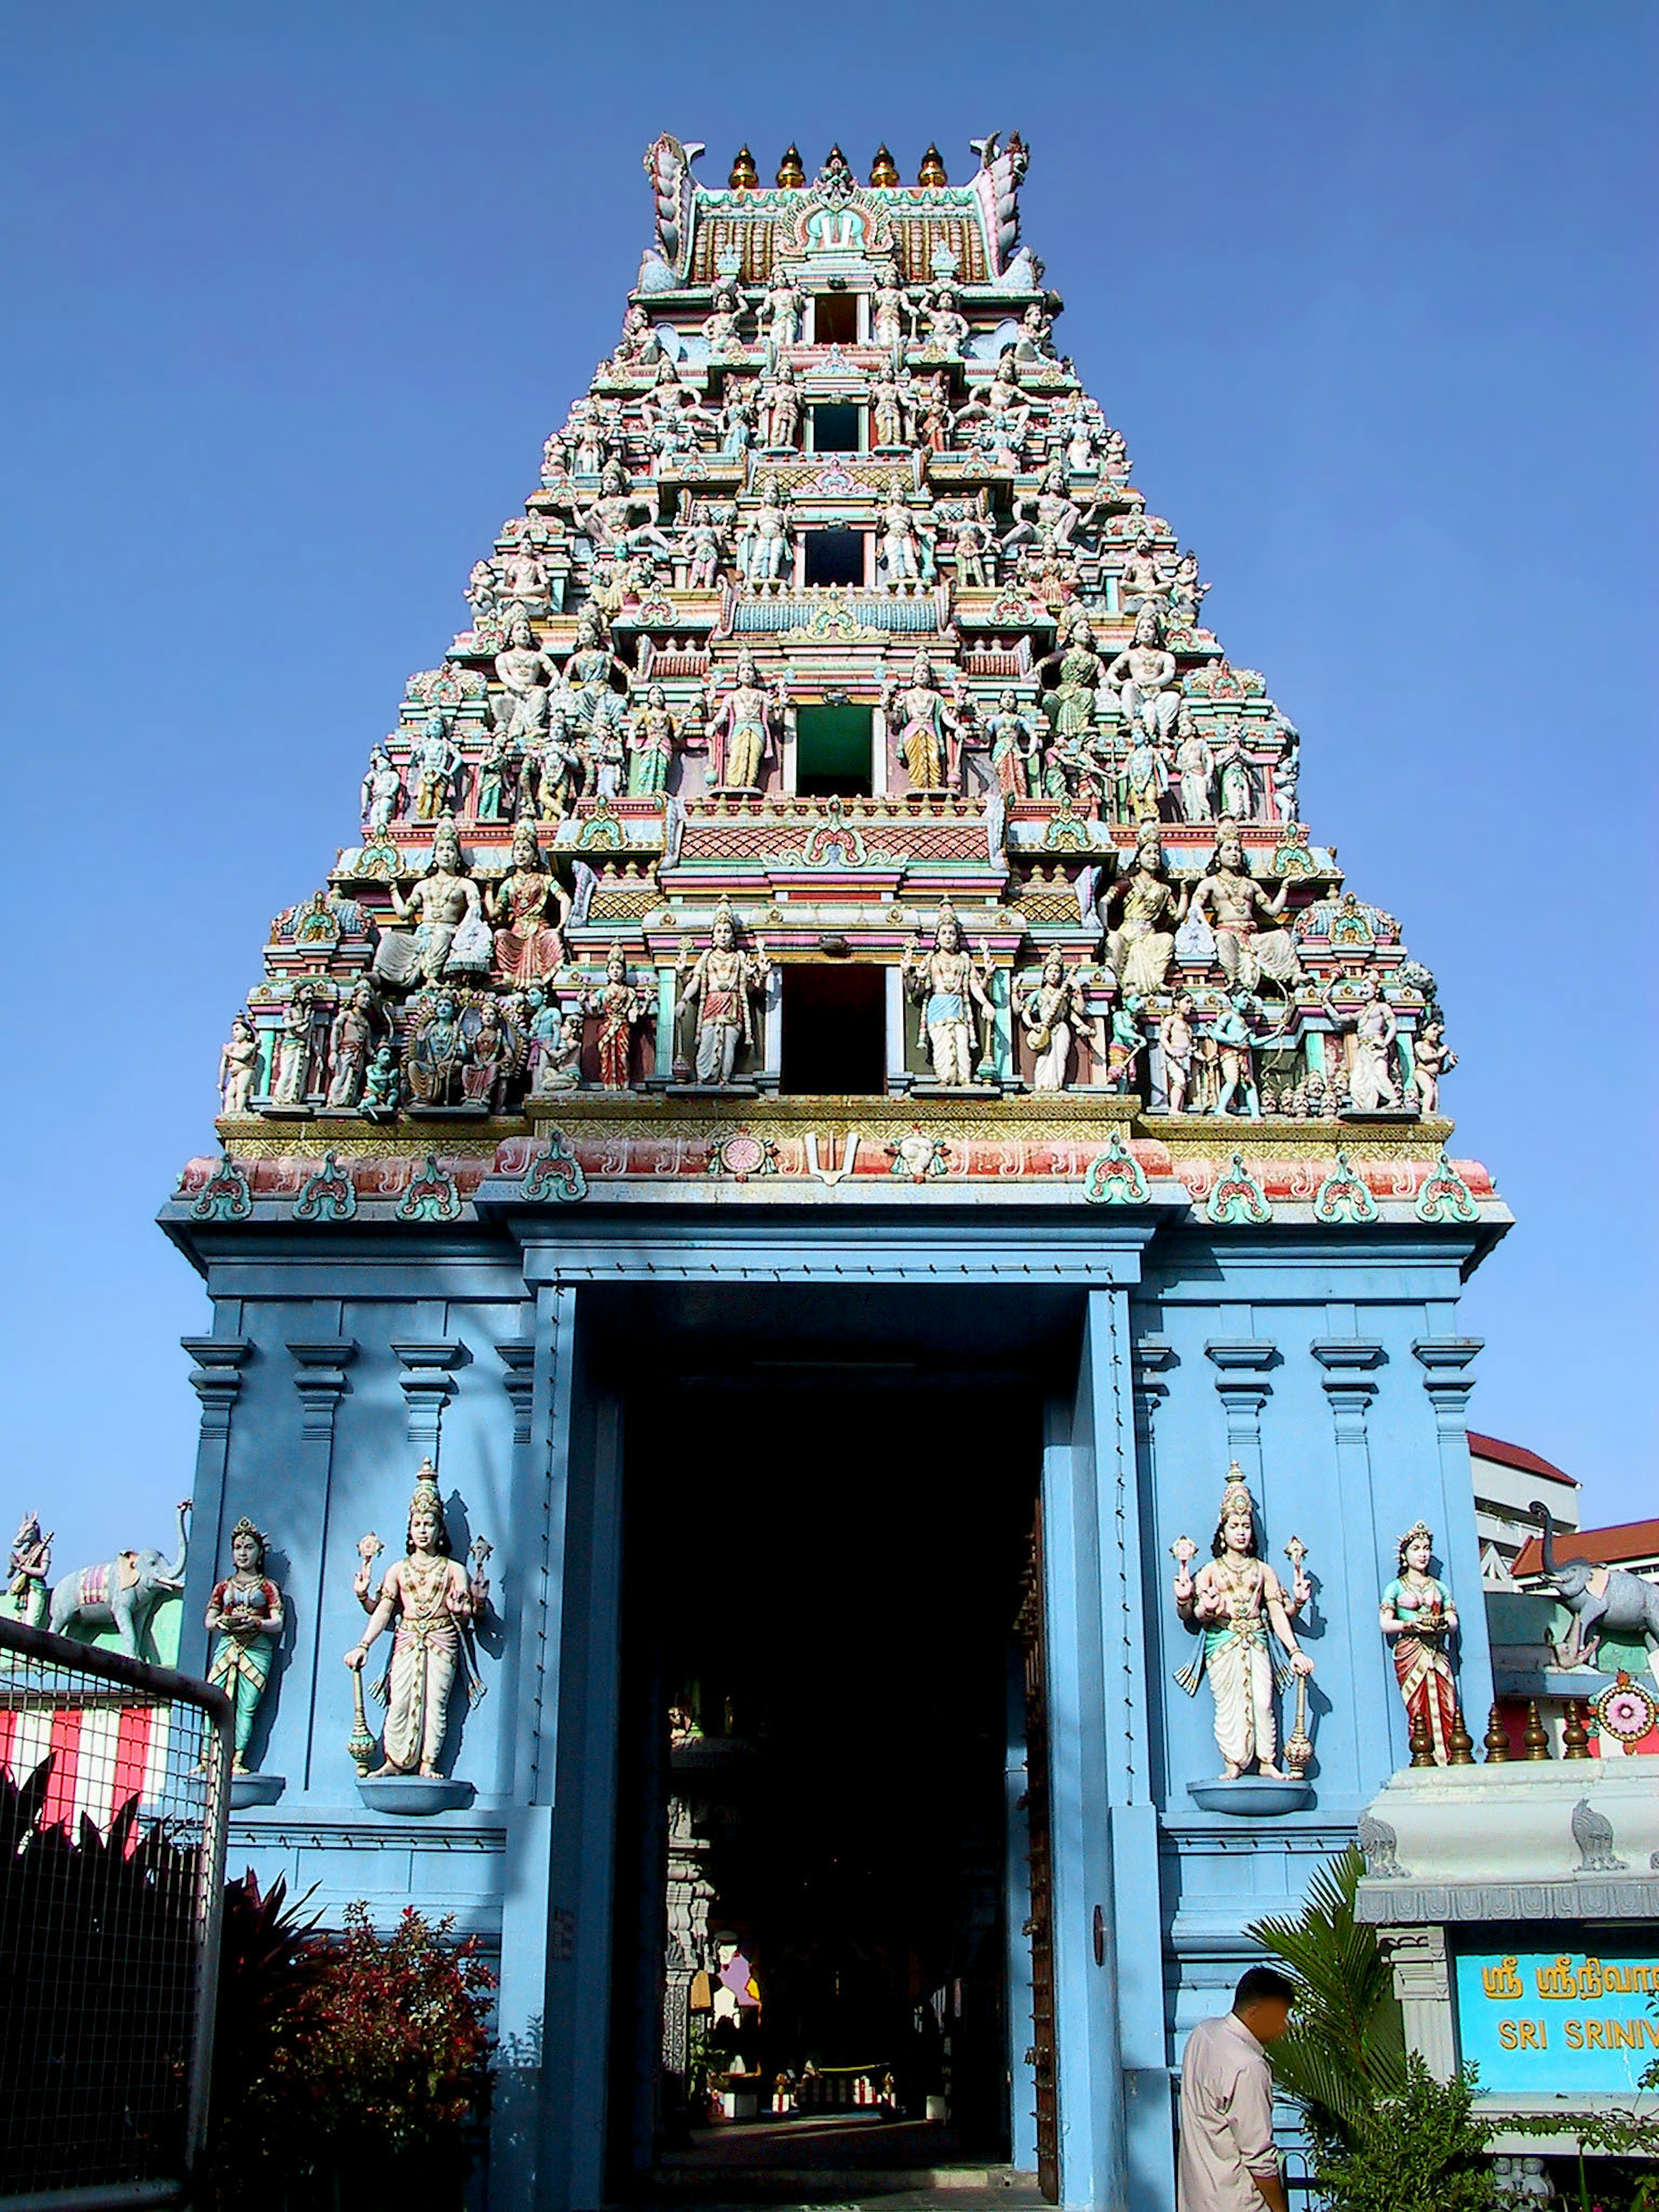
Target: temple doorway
822	1961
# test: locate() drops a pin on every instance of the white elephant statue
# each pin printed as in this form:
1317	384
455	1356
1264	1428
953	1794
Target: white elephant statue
121	1594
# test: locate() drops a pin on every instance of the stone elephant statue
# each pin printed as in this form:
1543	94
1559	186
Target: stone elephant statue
121	1594
1602	1600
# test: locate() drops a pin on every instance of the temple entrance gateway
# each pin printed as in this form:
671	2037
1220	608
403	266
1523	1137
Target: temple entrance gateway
821	1798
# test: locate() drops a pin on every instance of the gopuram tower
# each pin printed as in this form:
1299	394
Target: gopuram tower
827	1125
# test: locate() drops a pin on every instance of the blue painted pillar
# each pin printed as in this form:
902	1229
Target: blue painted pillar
1022	2083
320	1382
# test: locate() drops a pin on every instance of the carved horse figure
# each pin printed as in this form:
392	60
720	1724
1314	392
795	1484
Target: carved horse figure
121	1594
1602	1600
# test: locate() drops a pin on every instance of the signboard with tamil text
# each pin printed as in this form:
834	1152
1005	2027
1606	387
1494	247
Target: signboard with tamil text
1553	2022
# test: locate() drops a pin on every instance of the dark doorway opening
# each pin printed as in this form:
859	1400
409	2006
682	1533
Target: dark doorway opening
835	1029
833	751
836	318
827	1514
835	557
837	429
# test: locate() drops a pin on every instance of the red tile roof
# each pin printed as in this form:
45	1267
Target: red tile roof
1516	1455
1629	1540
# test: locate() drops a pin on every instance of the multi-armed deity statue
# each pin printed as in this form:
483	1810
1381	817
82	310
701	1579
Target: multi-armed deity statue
836	524
1237	1604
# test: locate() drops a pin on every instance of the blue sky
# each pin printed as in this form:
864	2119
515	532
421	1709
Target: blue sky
292	297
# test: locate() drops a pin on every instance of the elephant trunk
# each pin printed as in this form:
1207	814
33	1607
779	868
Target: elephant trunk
172	1578
1540	1514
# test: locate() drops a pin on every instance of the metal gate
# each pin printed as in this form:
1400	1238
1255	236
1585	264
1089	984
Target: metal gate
1040	1926
113	1798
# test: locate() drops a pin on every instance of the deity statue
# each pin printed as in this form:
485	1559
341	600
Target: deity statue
1124	1042
1237	779
482	593
383	791
674	420
888	302
429	1603
721	985
351	1045
527	675
1194	772
1072	679
498	776
764	547
781	311
1235	1041
927	412
555	1049
239	1067
927	728
1417	1617
1139	584
619	1005
722	328
1177	1041
29	1573
705	547
1045	521
651	744
736	420
897	542
589	671
887	410
436	1052
948	328
1186	594
1139	949
290	1071
948	985
528	947
494	1052
1234	1601
1431	1057
382	1085
1144	677
1049	1012
246	1610
1035	341
1016	748
1229	899
450	935
524	581
973	547
780	410
740	730
1373	1086
1143	777
639	346
434	763
560	766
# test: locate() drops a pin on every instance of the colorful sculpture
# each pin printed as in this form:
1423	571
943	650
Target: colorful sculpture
121	1594
720	984
428	1602
29	1570
949	986
246	1611
1236	1602
1418	1617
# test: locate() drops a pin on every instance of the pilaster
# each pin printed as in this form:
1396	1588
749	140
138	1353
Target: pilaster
1241	1384
1446	1361
517	1355
1349	1363
216	1379
428	1387
1422	1982
321	1381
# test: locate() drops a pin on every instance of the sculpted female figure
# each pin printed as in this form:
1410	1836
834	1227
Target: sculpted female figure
1015	748
927	728
247	1610
1073	675
948	985
1141	946
443	901
1417	1617
428	1603
651	744
619	1007
528	947
350	1043
1234	1601
1048	1012
1371	1081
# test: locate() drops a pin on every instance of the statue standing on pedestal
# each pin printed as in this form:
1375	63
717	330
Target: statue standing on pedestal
246	1611
1417	1616
721	985
1234	1602
429	1603
1049	1012
947	984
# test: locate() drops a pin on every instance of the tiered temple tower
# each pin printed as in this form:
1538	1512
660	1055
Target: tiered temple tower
836	862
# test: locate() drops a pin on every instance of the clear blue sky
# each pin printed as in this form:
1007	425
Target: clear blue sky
291	296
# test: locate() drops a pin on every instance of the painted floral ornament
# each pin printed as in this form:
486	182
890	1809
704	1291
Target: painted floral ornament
329	1195
555	1173
1116	1176
433	1195
1236	1200
1627	1710
1344	1197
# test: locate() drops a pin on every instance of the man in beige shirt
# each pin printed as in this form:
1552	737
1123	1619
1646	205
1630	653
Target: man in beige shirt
1228	2163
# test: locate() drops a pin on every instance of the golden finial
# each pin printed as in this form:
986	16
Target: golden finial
743	178
884	171
932	171
791	175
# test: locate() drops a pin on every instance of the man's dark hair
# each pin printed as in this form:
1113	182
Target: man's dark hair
1260	1986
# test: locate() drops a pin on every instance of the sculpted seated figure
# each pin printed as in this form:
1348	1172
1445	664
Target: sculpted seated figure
529	948
448	923
1144	677
1229	900
1139	949
527	676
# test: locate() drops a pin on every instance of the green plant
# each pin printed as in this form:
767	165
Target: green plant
268	1956
1345	2049
1421	2150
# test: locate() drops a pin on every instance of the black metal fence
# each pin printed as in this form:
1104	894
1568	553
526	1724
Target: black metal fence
113	1796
